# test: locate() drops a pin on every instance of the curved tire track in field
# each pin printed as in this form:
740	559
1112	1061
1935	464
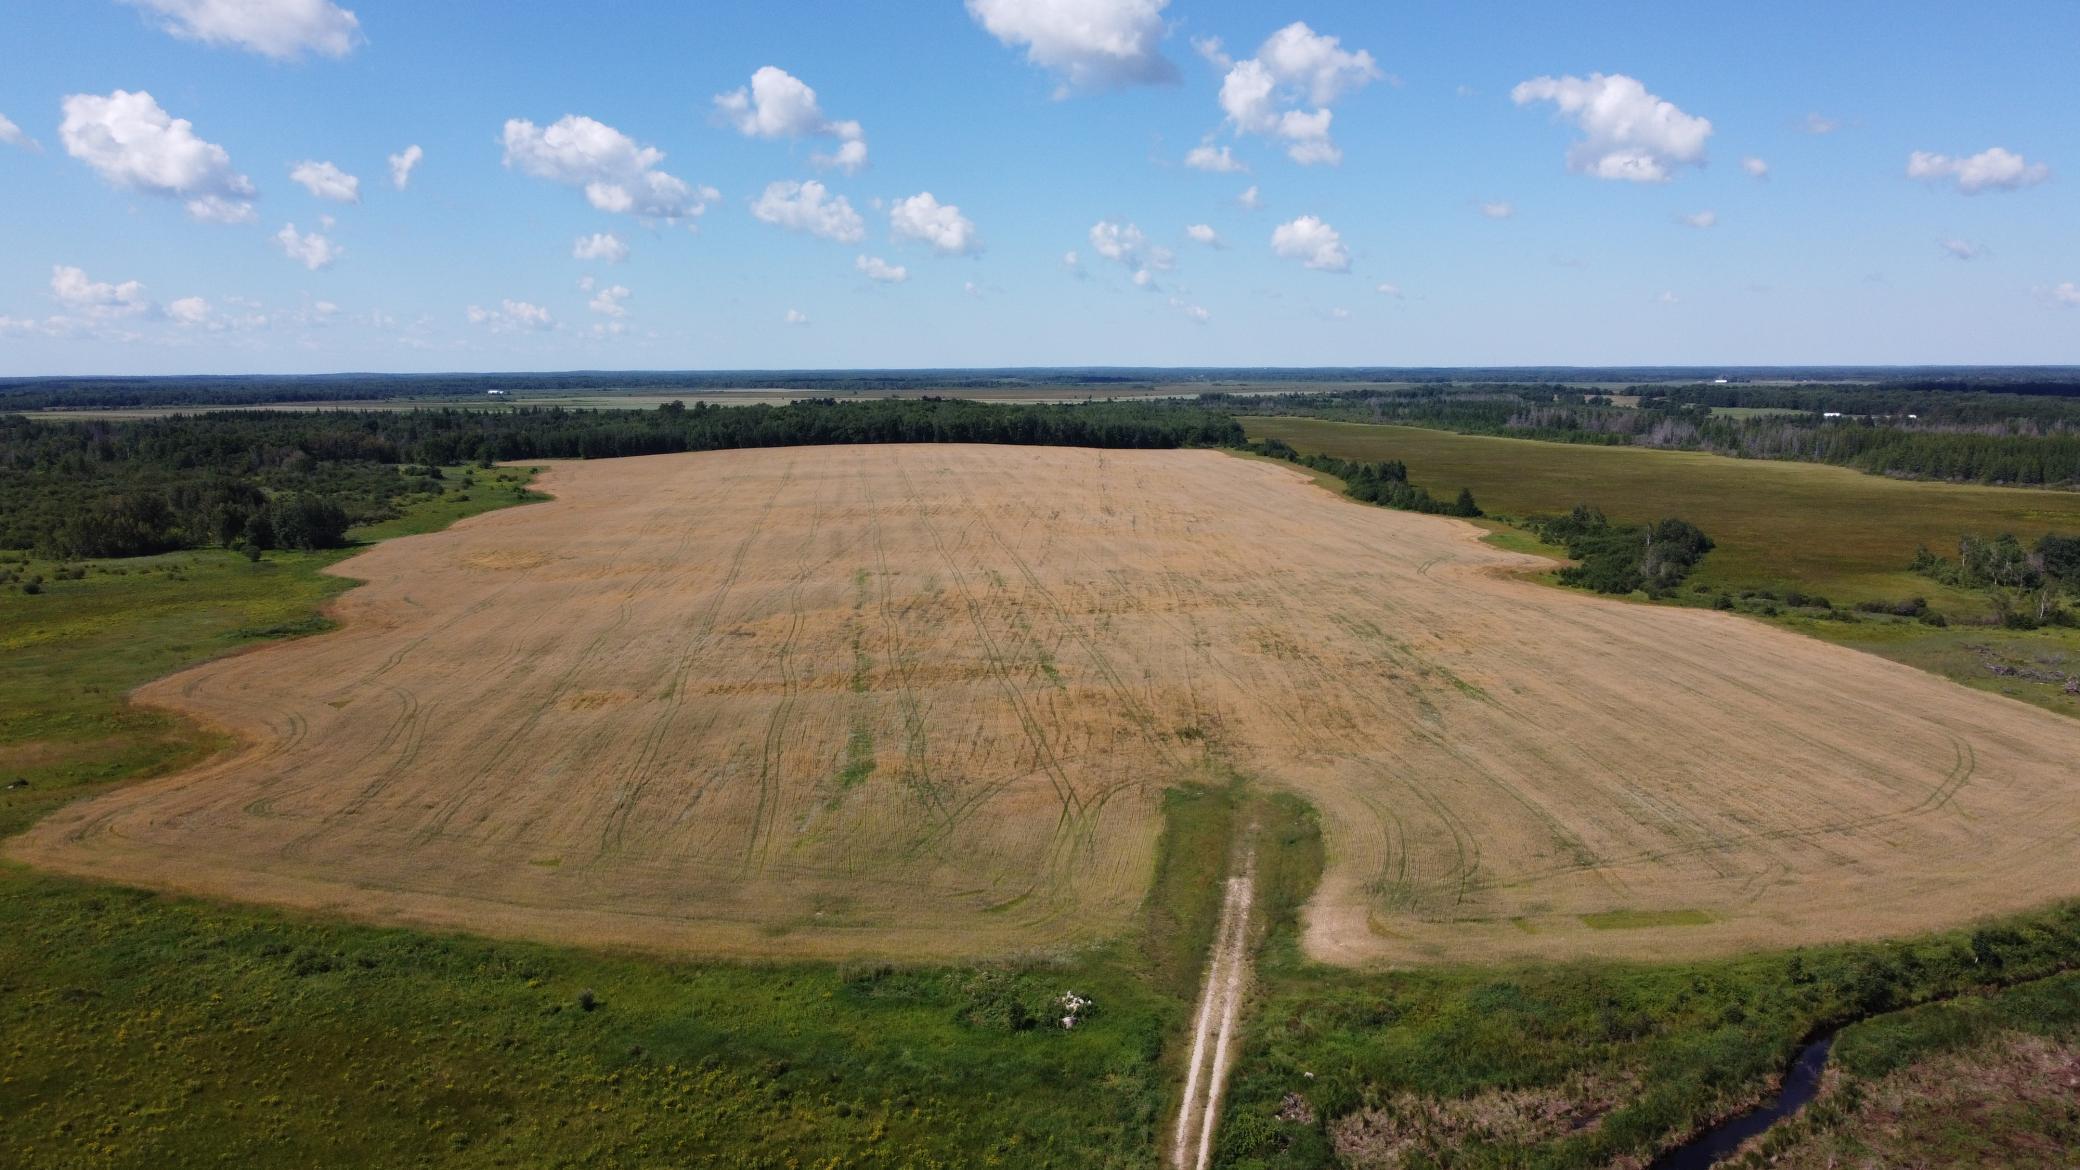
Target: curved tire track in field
1495	762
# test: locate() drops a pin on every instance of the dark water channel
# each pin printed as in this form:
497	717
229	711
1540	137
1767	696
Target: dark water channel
1801	1085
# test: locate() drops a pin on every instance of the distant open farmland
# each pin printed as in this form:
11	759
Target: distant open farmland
922	701
1820	528
651	400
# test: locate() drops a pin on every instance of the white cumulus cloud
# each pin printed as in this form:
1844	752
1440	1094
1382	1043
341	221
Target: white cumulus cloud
778	104
1203	233
94	298
1756	168
1963	249
1296	66
2067	293
282	29
11	135
609	301
312	250
1090	44
1701	219
1993	169
401	165
1627	133
1389	290
134	144
511	317
877	269
242	315
796	317
808	207
1312	242
1219	160
923	218
1116	241
1129	246
616	174
326	181
600	246
1251	199
1497	208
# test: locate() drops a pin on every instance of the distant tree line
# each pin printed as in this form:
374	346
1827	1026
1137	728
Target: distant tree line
1740	389
1383	482
1623	558
1974	437
299	480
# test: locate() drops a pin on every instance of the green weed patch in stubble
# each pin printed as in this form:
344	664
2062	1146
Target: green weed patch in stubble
1644	919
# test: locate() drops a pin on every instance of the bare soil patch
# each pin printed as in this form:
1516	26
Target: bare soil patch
920	701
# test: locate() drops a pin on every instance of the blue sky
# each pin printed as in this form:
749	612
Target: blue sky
1506	225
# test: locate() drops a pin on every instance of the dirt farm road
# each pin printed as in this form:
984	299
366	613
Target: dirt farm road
1220	1009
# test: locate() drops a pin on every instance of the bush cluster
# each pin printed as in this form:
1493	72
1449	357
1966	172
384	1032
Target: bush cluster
1624	558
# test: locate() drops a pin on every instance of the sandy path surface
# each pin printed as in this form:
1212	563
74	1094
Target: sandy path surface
1214	1029
919	702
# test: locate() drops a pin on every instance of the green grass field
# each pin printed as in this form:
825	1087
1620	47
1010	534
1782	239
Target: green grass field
70	655
1825	529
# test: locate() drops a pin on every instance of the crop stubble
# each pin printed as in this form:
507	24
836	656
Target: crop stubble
920	701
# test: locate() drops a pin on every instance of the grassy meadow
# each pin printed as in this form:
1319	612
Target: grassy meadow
1777	526
1824	529
1593	1064
1973	1081
70	654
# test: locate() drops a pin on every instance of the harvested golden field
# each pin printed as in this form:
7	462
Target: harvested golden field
920	701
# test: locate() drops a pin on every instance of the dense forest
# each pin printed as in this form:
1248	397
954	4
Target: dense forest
1975	437
291	479
246	390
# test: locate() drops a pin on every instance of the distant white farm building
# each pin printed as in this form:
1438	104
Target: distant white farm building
496	393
